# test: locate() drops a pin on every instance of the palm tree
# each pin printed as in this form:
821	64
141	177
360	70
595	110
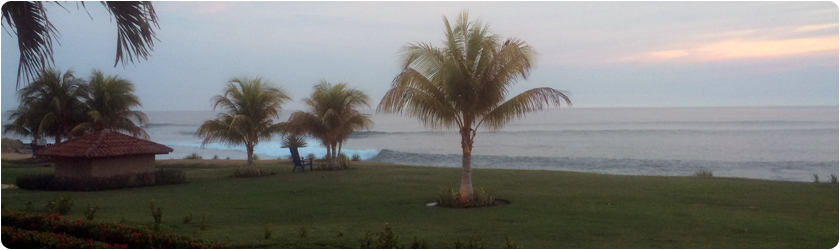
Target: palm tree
249	107
464	85
331	117
108	102
49	106
28	20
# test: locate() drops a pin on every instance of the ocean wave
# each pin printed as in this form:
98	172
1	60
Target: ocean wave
781	170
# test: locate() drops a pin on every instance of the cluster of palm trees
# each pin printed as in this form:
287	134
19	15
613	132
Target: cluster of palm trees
249	107
61	105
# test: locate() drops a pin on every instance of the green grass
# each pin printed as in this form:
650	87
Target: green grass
550	209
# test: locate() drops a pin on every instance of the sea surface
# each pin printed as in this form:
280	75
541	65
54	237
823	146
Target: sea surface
775	143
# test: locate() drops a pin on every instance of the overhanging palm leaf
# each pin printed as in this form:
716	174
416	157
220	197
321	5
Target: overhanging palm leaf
28	20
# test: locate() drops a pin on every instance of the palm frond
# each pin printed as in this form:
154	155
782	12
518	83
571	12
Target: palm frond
135	36
28	20
526	102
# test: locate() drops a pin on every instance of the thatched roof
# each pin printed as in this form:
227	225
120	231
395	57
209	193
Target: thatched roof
104	143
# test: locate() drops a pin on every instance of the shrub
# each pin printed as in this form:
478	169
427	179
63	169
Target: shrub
816	178
356	157
35	182
61	206
90	211
193	156
255	157
343	161
266	232
188	219
310	156
112	235
703	174
303	231
473	243
202	225
215	157
381	240
833	179
419	244
170	176
227	158
17	238
157	214
240	172
510	244
450	198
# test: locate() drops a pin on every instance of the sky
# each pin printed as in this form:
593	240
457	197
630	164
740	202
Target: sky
605	54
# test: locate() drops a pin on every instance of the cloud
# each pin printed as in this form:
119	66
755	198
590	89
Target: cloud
807	28
739	48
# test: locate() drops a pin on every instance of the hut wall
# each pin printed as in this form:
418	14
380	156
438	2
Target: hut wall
125	165
72	167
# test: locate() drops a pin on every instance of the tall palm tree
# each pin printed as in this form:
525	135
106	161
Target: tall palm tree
49	106
464	85
28	20
331	117
249	109
109	101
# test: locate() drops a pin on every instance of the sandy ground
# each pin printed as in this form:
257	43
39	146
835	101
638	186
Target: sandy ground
8	156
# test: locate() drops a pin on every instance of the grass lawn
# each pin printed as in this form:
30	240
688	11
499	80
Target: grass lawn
550	209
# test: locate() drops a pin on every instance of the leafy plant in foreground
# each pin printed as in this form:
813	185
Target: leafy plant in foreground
90	211
62	206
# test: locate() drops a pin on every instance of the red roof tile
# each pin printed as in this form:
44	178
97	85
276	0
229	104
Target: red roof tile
104	143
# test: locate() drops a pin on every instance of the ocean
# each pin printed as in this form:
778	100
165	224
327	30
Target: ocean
774	143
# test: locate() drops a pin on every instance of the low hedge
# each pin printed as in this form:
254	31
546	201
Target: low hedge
115	235
49	182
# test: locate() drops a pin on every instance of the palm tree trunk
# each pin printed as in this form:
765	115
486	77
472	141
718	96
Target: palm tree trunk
333	157
250	151
466	190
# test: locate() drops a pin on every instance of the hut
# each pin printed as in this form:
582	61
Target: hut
103	154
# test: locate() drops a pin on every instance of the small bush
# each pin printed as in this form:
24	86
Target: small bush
240	172
816	178
421	244
356	157
170	176
343	161
450	198
215	157
310	156
833	179
266	232
255	157
473	243
202	225
381	240
188	219
157	214
303	231
193	156
227	158
703	174
90	211
510	244
61	206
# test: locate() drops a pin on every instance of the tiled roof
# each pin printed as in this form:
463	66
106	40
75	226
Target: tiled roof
104	143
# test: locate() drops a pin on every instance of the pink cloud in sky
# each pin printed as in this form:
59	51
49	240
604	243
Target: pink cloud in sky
741	48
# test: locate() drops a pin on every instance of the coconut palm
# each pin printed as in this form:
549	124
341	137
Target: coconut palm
28	20
249	107
109	101
49	106
464	85
331	117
